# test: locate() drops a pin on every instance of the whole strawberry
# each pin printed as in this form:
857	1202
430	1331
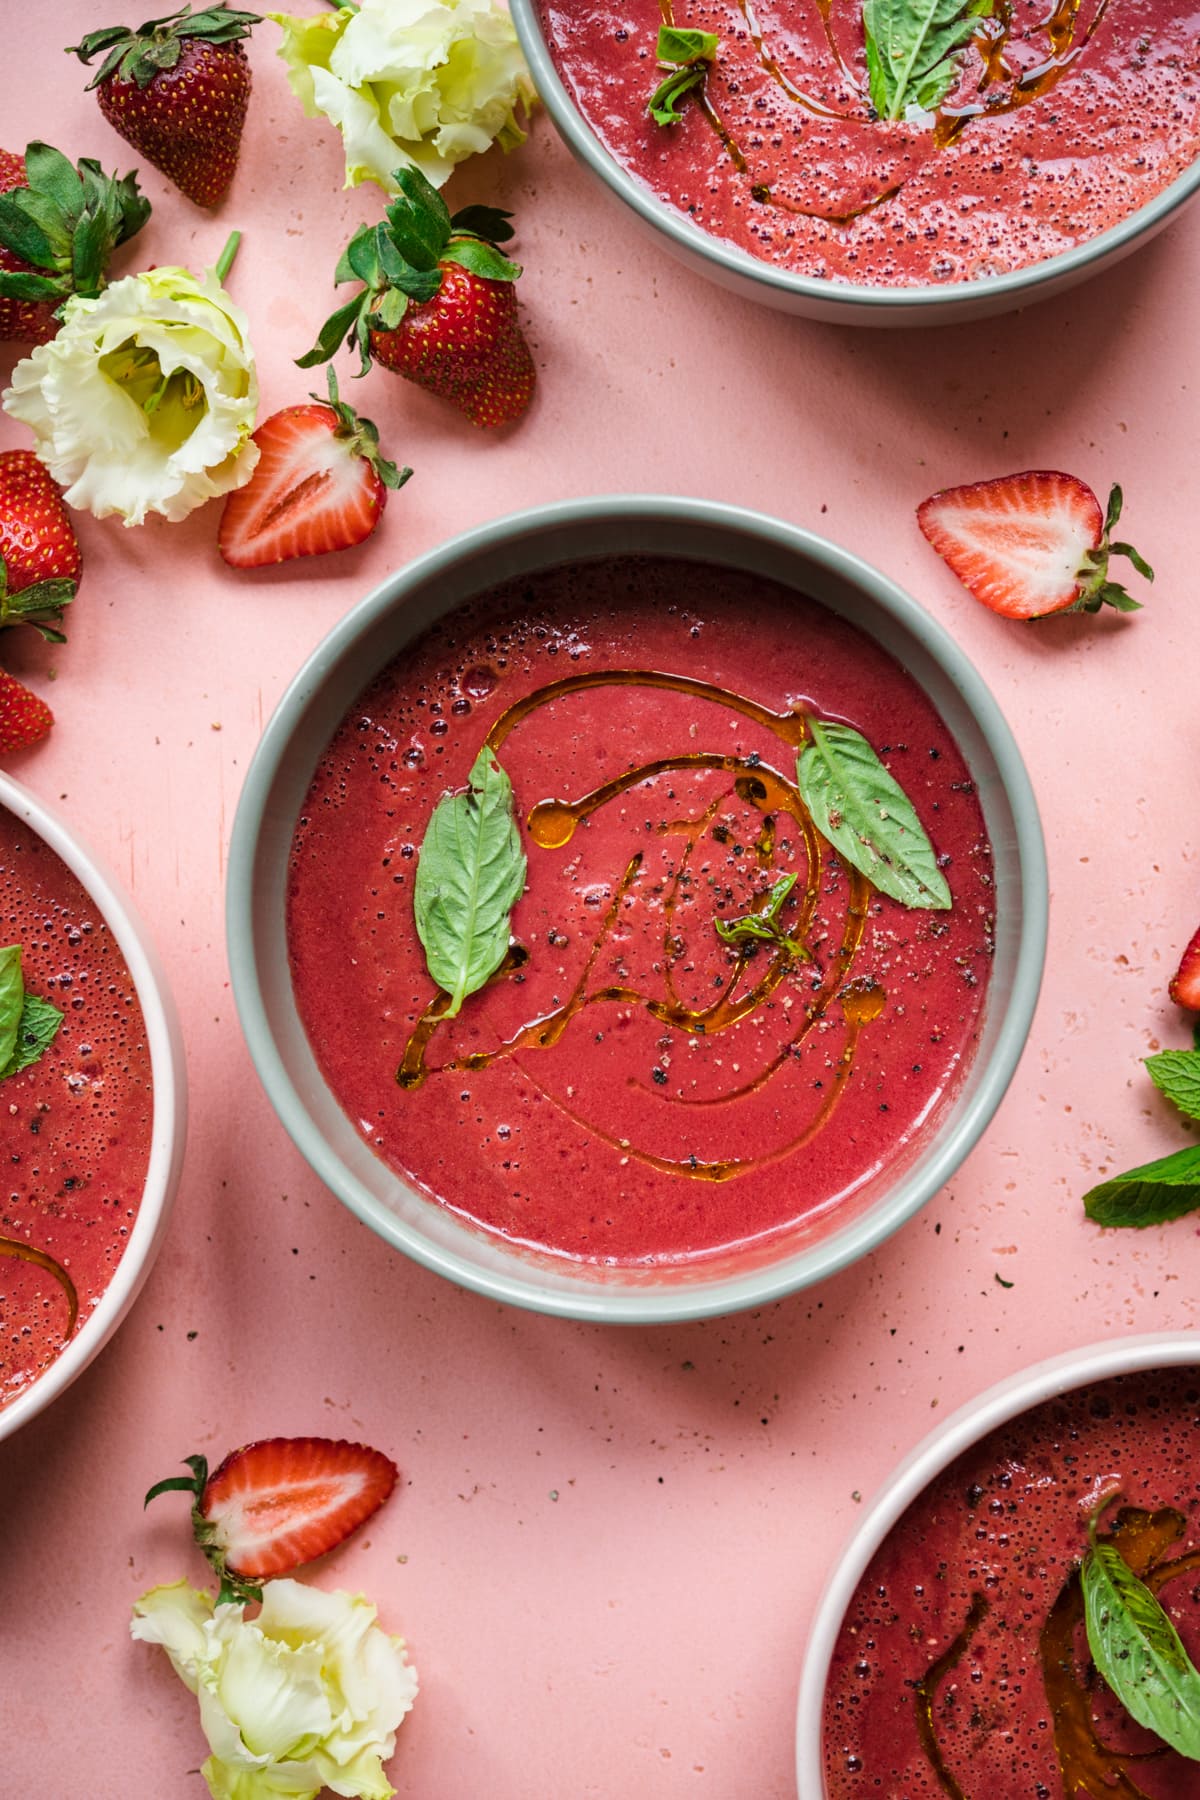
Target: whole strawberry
177	89
438	304
59	224
24	718
40	564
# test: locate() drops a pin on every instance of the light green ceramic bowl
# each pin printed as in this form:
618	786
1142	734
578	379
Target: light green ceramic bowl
367	639
810	296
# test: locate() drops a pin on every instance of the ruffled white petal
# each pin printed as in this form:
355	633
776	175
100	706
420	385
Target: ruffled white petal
105	449
308	1694
441	80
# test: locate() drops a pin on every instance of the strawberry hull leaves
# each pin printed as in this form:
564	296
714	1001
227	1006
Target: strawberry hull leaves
399	262
913	47
1096	590
157	44
65	222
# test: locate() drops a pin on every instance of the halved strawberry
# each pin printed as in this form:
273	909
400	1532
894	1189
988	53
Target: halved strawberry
1031	544
275	1504
24	717
320	484
1184	987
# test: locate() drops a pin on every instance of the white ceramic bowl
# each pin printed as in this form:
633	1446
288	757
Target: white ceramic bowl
169	1126
972	1422
341	667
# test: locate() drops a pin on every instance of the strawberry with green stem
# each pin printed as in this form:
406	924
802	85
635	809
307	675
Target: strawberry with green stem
278	1503
59	224
177	89
40	564
437	304
320	484
1032	544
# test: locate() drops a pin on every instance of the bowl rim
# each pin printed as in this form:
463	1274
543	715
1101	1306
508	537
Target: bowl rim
994	1406
999	292
605	1302
169	1112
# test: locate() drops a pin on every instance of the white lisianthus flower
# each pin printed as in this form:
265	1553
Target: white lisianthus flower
146	398
424	82
307	1695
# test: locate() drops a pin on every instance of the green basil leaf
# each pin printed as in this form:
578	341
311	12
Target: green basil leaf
663	104
470	875
1137	1651
867	816
12	994
37	1029
1150	1195
764	927
913	48
1176	1073
681	46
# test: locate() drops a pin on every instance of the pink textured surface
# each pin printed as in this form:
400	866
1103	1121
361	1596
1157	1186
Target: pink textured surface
606	1544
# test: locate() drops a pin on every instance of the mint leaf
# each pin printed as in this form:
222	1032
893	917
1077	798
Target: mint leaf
1176	1073
764	926
1150	1195
470	875
687	54
12	994
36	1031
913	48
867	816
1138	1652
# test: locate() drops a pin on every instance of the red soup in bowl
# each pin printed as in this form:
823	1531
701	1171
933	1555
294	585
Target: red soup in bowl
962	1666
1044	126
709	1029
76	1122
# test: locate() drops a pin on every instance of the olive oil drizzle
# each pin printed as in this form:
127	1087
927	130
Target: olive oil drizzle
927	1690
1087	1766
41	1259
551	825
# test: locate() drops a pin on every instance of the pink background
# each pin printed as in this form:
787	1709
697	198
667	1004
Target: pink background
607	1543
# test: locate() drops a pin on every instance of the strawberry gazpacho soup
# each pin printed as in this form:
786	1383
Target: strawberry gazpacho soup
891	143
642	911
76	1105
1029	1625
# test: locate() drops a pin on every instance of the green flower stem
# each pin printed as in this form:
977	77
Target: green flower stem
225	260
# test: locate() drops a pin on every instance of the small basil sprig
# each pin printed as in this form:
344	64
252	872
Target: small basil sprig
1137	1649
866	815
28	1024
687	54
763	926
913	48
470	875
1156	1192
